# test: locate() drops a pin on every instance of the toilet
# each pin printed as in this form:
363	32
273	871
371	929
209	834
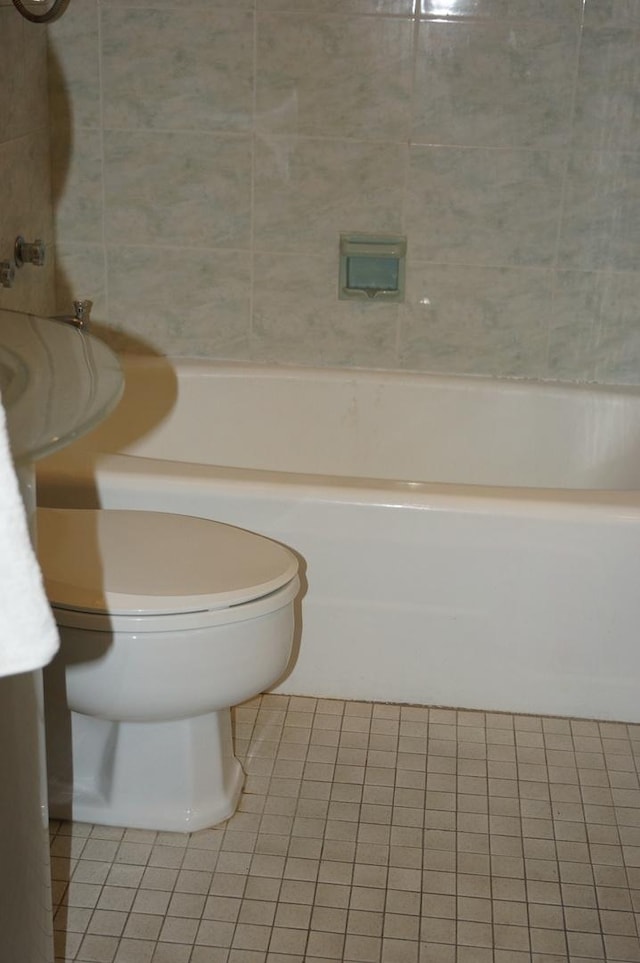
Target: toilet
165	621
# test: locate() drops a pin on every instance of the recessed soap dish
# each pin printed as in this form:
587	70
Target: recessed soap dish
372	266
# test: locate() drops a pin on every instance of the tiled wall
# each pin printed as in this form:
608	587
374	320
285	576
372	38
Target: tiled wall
209	152
25	201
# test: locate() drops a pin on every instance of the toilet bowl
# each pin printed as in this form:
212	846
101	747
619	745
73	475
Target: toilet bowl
165	622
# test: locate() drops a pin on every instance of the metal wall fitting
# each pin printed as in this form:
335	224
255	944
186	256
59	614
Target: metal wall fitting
29	252
7	274
82	311
81	316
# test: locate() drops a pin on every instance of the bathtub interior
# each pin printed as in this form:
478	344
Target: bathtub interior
381	425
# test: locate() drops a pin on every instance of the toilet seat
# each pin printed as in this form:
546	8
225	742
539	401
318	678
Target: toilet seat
144	564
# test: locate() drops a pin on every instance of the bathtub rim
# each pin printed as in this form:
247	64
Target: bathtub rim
116	471
276	370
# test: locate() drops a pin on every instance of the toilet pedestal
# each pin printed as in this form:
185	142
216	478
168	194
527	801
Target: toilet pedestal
145	774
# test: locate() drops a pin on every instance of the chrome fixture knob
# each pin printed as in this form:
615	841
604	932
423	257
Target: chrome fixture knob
29	252
7	274
80	317
82	312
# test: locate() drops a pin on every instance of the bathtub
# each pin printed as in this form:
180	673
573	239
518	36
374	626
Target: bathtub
464	542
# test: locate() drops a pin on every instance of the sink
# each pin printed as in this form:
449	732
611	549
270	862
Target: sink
56	381
13	376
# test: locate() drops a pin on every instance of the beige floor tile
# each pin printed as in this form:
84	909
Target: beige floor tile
374	833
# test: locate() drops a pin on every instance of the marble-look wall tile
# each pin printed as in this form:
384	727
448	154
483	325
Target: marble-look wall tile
610	13
494	84
26	210
574	326
81	276
298	319
77	184
186	188
25	168
601	218
307	191
383	7
23	98
182	4
74	67
595	327
240	136
472	320
618	359
177	68
607	110
476	206
180	302
33	94
566	10
352	81
11	79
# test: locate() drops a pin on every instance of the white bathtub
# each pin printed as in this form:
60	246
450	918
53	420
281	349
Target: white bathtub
467	542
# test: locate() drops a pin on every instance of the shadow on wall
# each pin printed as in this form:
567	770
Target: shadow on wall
62	148
154	396
62	138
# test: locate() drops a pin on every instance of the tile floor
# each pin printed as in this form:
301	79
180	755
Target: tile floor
375	833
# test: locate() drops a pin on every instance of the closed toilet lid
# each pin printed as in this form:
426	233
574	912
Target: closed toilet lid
131	562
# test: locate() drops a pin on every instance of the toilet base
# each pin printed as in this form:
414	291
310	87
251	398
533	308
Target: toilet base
177	776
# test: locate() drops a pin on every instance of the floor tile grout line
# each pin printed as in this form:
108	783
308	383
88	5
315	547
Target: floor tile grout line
470	764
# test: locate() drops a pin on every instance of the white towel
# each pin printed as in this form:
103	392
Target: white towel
28	634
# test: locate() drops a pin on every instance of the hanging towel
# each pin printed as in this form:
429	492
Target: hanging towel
28	634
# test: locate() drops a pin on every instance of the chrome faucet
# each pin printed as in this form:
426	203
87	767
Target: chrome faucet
81	315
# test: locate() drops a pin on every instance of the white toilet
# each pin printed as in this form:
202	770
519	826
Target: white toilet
166	621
